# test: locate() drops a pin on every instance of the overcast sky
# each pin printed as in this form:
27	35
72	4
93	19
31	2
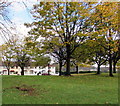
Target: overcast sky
19	14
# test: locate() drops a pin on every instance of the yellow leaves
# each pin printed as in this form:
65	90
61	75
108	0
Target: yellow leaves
4	47
109	38
105	13
55	42
95	33
115	49
66	42
84	65
81	34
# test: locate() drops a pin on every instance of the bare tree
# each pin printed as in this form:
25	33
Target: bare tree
4	20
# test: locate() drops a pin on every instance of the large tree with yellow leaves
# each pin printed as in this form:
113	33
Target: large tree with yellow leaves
63	22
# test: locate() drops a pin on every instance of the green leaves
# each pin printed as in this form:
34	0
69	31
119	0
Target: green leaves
41	61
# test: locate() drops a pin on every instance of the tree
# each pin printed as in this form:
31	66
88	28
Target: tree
116	55
63	21
105	23
37	54
4	20
7	56
81	55
57	51
22	57
91	52
97	53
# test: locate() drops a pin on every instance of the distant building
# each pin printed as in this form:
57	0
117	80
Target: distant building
51	69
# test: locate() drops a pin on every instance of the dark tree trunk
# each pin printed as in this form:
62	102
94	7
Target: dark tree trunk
98	69
22	72
110	57
110	66
48	72
60	67
77	69
48	69
114	67
8	71
68	60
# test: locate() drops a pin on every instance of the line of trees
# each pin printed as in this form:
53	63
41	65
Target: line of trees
17	54
71	32
79	32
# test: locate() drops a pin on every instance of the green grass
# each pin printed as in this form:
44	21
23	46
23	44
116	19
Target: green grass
84	89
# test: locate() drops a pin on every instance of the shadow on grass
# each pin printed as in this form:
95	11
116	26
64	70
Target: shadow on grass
105	75
97	75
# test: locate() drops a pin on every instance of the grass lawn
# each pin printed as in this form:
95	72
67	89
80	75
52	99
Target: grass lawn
83	89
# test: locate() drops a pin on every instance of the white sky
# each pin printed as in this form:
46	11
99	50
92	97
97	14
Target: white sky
18	14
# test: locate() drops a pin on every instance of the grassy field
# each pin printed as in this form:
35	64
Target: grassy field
83	89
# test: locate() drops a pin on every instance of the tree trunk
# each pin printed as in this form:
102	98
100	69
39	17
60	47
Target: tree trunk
98	69
114	67
110	66
68	60
77	69
22	72
48	69
60	68
8	71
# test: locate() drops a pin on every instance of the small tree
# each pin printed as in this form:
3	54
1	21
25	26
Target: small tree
7	56
116	55
22	57
80	55
57	51
36	53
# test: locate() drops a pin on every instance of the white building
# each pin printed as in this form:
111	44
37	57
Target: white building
29	70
